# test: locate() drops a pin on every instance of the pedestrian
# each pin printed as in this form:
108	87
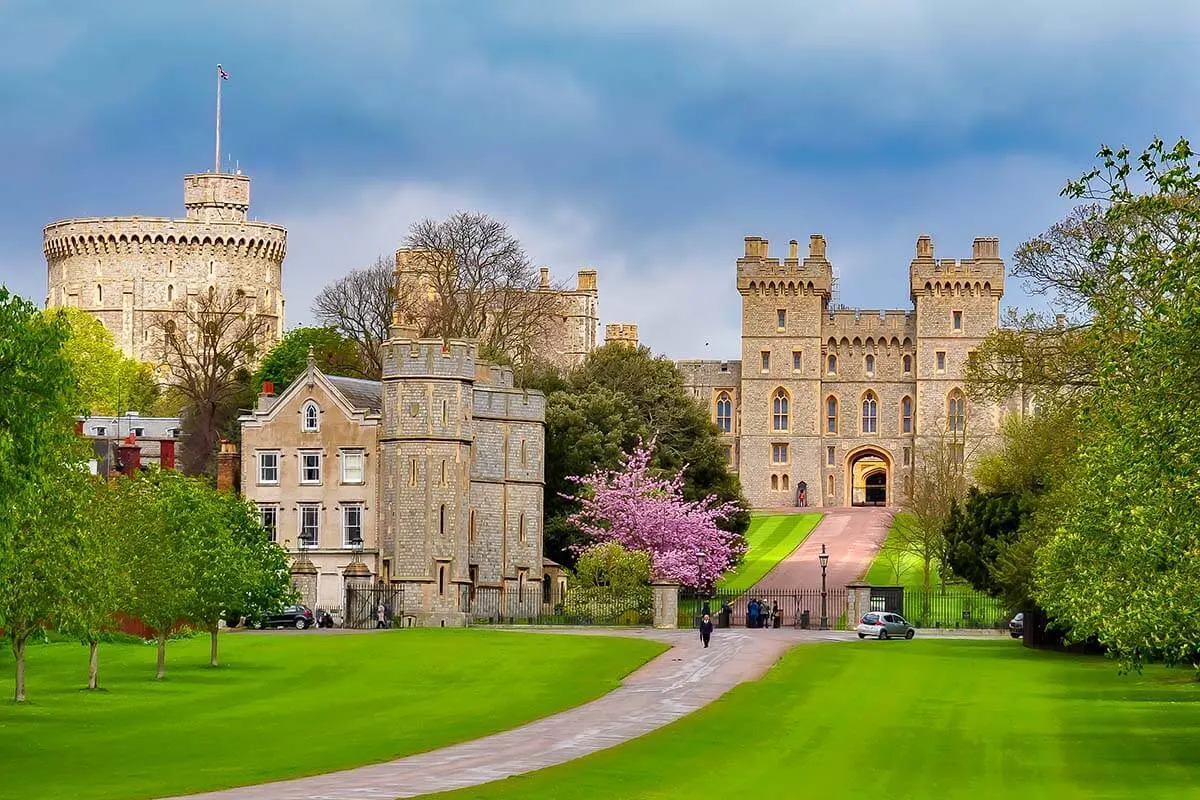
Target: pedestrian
774	615
380	615
706	628
752	614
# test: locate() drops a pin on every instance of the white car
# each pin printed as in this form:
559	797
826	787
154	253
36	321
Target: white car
884	625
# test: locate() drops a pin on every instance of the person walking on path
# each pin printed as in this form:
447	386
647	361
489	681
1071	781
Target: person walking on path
706	629
380	617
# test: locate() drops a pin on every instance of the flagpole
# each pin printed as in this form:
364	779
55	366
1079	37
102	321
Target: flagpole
217	158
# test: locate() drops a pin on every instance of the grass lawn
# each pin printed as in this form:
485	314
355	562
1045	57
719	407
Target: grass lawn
888	560
770	539
923	719
282	705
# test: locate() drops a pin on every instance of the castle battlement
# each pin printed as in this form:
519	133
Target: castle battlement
758	272
621	333
849	323
507	403
983	273
455	359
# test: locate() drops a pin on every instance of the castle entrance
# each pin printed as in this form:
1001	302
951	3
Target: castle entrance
868	482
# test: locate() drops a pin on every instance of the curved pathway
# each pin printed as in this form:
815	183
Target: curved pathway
852	537
671	686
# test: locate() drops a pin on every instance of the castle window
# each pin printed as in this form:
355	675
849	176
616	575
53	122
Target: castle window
829	485
212	270
445	416
869	363
907	364
941	361
907	459
471	527
766	360
784	481
831	365
779	409
830	456
870	413
443	472
442	520
831	414
957	452
170	293
908	486
473	576
521	528
957	317
170	266
724	412
775	482
99	293
956	412
797	360
729	454
412	473
781	318
779	454
524	454
311	418
442	579
906	417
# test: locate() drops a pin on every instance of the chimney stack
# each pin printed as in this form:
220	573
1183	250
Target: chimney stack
924	247
227	467
129	456
545	282
166	454
816	246
793	250
266	398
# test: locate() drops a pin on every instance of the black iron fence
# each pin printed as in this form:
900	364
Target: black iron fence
373	606
758	608
579	606
952	607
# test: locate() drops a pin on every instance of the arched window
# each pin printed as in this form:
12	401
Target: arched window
779	410
907	364
869	363
906	417
775	482
956	412
170	293
724	412
829	486
441	580
831	364
831	414
870	413
312	416
99	293
442	519
784	482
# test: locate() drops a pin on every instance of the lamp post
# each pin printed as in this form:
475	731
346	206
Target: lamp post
824	559
700	556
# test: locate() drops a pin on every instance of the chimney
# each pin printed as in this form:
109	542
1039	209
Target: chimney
227	467
545	281
266	398
79	427
793	250
129	456
586	280
924	247
166	454
816	246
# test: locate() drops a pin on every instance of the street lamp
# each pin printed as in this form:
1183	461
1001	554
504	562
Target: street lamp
700	556
824	559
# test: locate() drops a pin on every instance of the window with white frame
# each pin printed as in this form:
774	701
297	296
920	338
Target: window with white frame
310	525
724	412
268	467
352	466
311	418
352	524
870	413
268	515
310	466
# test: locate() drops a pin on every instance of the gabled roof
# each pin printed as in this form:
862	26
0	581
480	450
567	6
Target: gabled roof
362	394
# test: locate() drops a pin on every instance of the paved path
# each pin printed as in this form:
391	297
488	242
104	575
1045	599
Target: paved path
671	686
852	537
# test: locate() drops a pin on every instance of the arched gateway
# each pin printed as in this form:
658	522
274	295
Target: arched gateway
868	477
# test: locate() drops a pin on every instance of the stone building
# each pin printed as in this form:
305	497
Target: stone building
829	407
127	271
622	333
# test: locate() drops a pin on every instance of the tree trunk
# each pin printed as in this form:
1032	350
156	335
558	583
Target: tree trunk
925	568
93	660
162	656
18	648
212	632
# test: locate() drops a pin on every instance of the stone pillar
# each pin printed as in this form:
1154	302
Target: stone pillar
356	577
227	467
858	602
666	605
304	580
129	456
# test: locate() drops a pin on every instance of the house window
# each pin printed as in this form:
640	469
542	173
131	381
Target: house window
869	363
352	515
766	360
941	361
310	467
310	524
311	421
907	457
139	432
781	318
831	365
779	410
906	417
831	414
268	468
907	360
870	413
779	454
352	466
956	412
957	316
724	412
797	360
99	430
830	456
268	515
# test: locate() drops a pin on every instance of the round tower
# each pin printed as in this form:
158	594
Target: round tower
129	271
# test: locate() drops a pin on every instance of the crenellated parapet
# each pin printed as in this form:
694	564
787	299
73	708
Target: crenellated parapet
760	274
625	334
869	326
981	275
162	237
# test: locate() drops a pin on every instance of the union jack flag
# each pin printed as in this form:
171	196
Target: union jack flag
224	75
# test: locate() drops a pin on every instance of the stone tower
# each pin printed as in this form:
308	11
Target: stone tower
129	271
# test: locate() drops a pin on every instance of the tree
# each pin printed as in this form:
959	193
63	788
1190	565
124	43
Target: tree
208	357
361	306
107	381
645	513
610	578
333	352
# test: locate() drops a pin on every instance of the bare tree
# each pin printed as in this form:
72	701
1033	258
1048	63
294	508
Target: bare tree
361	306
208	348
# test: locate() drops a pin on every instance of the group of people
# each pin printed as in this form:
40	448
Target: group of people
758	615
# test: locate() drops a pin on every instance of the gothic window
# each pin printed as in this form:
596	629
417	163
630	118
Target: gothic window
784	481
779	410
831	365
829	485
442	580
870	413
775	482
831	414
869	363
956	412
724	412
311	417
907	364
906	415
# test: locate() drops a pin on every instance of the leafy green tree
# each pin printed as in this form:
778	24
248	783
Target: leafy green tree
333	352
107	381
610	580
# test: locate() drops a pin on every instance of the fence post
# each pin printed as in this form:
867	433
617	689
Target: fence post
666	604
859	602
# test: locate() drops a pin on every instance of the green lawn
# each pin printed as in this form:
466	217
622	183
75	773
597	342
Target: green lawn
770	539
282	705
884	568
938	719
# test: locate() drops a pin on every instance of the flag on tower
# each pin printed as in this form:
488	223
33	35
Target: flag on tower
224	75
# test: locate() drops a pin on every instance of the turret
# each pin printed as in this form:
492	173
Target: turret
216	197
756	269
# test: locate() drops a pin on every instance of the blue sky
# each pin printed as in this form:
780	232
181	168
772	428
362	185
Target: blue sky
644	138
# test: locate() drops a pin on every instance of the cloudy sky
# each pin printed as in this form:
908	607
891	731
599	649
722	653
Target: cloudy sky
642	138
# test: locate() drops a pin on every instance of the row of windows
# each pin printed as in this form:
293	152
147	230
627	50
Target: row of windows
779	455
956	320
956	419
311	463
831	363
308	519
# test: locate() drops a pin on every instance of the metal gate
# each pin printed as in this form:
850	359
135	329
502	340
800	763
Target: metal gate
365	603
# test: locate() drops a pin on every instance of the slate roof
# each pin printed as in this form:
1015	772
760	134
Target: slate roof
363	394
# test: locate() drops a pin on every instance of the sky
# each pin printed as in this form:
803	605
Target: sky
643	139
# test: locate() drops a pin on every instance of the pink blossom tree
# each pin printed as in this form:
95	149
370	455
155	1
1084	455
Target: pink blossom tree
646	513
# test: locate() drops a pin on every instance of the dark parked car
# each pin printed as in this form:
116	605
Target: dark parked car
1016	626
298	617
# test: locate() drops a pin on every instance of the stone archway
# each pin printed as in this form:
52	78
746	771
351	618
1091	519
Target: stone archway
868	477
